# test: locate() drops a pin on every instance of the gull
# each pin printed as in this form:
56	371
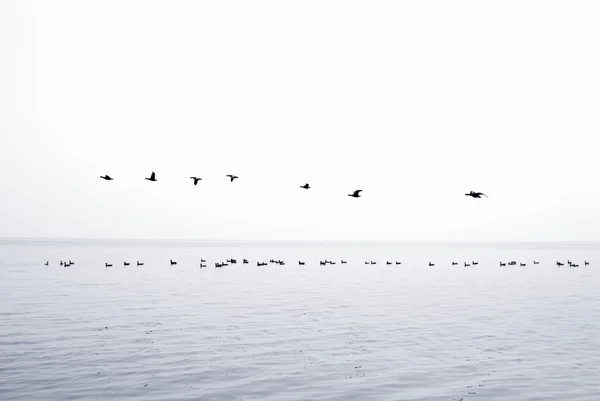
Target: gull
232	177
173	262
196	179
140	263
106	177
431	264
301	263
356	194
126	263
152	177
107	265
476	194
305	186
46	263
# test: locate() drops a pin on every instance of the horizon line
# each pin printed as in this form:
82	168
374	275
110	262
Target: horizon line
300	241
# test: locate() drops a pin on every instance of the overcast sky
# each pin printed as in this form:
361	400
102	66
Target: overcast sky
416	103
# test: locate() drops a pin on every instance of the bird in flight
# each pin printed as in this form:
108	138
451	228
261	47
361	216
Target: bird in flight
106	177
476	194
356	194
232	177
152	177
196	179
305	186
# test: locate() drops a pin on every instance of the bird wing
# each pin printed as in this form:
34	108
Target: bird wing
485	195
152	176
357	191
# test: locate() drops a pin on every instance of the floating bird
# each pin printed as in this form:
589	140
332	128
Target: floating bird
322	263
126	263
173	262
196	179
373	263
107	265
398	263
559	264
454	263
46	263
261	264
476	194
388	263
586	263
106	177
152	177
431	264
475	263
202	265
536	262
245	261
61	263
301	263
366	263
522	264
232	177
140	263
502	264
344	262
467	265
305	186
356	194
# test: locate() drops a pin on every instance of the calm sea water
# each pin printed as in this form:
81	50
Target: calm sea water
336	332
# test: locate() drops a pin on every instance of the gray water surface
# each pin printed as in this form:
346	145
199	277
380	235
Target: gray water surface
336	332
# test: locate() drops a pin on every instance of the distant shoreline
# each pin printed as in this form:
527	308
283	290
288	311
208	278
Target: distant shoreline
519	244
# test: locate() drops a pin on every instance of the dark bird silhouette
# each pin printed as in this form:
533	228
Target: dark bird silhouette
586	263
232	177
559	264
344	262
202	260
196	179
245	261
431	264
536	262
454	263
301	263
305	186
202	265
398	263
366	263
126	263
502	264
46	263
261	264
107	265
106	177
61	263
373	263
152	177
388	263
173	262
71	262
356	194
467	265
522	264
476	194
474	263
140	263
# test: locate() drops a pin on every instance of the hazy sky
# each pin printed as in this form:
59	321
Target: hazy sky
414	102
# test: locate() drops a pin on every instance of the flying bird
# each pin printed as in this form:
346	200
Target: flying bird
152	177
196	179
232	177
476	194
106	177
305	186
356	194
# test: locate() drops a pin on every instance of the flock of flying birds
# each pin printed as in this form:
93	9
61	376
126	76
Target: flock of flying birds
325	263
355	194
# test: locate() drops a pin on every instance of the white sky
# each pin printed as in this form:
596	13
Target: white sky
415	102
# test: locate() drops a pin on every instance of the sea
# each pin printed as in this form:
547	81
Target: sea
420	329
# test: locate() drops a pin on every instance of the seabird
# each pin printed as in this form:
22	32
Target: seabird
152	177
301	263
586	263
126	263
476	194
356	194
46	263
107	265
173	262
140	263
536	262
454	263
106	177
398	263
232	177
196	179
305	186
502	264
431	264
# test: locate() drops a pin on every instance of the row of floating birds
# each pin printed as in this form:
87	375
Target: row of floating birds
325	263
354	194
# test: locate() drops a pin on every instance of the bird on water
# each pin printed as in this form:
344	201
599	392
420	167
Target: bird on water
476	194
356	194
232	177
106	177
152	177
196	179
305	186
